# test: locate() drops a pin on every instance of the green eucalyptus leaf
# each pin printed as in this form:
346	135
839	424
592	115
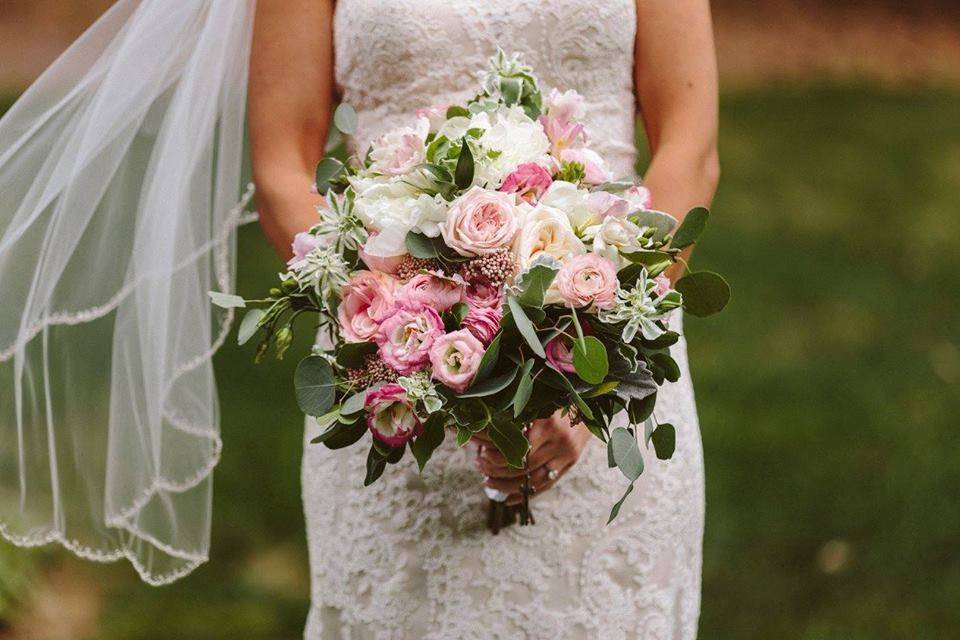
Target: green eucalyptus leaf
507	436
438	172
345	119
489	360
590	359
328	170
249	325
615	511
353	404
376	463
577	400
524	389
671	370
626	453
664	440
457	111
226	300
346	435
420	246
640	409
601	389
315	385
427	442
662	222
534	283
490	386
704	293
524	326
655	262
691	228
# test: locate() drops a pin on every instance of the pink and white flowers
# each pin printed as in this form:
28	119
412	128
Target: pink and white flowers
481	221
588	280
432	289
455	358
406	336
368	298
529	181
391	418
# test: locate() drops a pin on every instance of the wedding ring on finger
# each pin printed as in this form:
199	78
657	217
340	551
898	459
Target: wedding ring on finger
552	474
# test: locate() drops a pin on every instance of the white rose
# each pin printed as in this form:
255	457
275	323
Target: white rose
545	231
400	150
514	138
573	201
393	209
613	236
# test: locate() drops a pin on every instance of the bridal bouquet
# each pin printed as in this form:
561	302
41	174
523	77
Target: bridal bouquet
479	270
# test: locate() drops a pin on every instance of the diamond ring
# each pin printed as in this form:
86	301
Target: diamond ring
552	474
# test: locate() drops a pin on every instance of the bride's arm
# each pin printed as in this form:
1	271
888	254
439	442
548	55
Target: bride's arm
290	98
676	83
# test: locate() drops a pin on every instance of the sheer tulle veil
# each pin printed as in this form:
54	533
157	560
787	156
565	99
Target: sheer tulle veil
120	189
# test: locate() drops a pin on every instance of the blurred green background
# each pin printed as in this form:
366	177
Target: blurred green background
828	393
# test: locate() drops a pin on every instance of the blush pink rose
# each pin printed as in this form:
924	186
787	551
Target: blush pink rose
662	284
595	171
529	181
367	299
405	337
480	222
482	295
390	415
434	290
483	322
560	354
388	264
455	358
588	280
563	134
303	244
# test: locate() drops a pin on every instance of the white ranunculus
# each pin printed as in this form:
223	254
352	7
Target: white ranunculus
612	236
573	201
400	150
545	231
514	138
393	209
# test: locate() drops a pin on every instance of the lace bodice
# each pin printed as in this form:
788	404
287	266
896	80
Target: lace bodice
410	556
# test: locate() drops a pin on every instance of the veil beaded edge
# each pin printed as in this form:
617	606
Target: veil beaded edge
120	191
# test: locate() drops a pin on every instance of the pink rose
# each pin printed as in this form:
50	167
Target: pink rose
405	337
595	171
455	358
303	244
663	284
606	205
434	290
529	180
483	322
560	354
481	295
367	299
563	134
481	221
390	415
588	280
639	197
382	264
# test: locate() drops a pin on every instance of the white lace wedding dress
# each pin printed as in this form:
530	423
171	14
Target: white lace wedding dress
410	556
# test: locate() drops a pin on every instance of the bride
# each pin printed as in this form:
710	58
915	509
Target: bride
120	176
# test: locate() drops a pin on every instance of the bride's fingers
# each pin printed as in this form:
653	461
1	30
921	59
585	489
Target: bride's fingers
540	479
494	464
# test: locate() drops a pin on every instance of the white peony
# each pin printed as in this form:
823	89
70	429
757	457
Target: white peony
573	201
514	139
545	231
393	209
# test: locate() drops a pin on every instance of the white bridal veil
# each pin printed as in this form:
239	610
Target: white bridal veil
119	193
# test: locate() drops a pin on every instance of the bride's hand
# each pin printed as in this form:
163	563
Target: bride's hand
555	446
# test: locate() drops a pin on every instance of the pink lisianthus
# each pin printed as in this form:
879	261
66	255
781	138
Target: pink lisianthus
367	299
303	244
480	222
588	280
560	354
483	322
595	171
434	290
382	264
662	284
568	106
405	337
483	295
563	134
390	415
455	358
529	180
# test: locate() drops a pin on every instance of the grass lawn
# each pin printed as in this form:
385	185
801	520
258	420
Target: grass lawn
828	397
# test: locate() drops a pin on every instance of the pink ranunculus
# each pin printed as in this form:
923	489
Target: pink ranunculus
405	337
569	105
303	244
595	171
483	295
433	289
480	222
588	280
663	284
529	180
367	299
605	205
638	196
390	415
382	264
560	354
455	358
563	134
483	322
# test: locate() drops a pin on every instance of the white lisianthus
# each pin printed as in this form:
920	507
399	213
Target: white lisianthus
573	201
614	236
393	209
398	151
514	139
545	232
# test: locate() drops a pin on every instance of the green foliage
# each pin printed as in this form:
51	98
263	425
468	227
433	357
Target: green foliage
314	385
463	176
691	228
590	359
345	119
704	293
328	171
533	285
525	326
